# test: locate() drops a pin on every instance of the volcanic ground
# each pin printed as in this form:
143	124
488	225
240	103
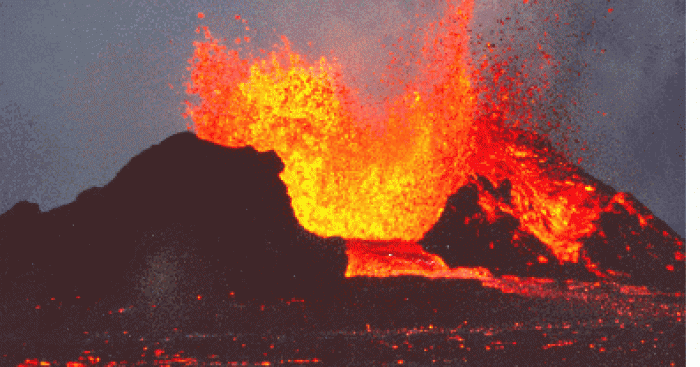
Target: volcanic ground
192	253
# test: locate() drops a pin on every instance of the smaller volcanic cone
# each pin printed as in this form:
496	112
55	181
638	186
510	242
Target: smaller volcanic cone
629	244
467	235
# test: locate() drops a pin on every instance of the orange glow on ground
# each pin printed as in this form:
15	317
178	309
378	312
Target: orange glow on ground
398	258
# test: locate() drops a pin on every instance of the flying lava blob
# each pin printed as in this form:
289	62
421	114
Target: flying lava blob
459	118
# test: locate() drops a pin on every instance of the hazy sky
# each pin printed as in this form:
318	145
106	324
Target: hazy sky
84	84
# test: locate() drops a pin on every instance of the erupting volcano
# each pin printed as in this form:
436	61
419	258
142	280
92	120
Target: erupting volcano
301	220
462	121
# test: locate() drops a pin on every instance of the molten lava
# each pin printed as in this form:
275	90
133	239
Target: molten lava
398	258
343	179
392	182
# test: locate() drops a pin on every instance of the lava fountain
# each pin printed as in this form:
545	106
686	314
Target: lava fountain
344	180
460	117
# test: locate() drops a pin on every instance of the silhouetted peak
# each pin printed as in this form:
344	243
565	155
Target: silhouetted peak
225	207
21	210
89	194
629	244
186	151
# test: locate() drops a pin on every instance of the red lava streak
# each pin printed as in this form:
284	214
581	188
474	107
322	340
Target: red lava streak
396	258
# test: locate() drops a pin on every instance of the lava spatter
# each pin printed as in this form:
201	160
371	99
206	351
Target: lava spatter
461	117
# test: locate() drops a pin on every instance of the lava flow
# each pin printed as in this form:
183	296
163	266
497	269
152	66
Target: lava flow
397	258
392	183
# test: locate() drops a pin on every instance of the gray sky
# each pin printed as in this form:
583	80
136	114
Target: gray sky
84	84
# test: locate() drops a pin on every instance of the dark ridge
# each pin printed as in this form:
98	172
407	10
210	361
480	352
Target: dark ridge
651	254
623	249
191	237
222	216
464	236
187	222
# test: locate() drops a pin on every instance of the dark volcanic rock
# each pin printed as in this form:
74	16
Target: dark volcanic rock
464	235
631	245
633	242
185	217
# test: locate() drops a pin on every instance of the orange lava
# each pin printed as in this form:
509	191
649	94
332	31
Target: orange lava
344	179
398	258
392	182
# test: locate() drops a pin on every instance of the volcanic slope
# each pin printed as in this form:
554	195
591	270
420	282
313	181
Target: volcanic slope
191	236
221	215
628	244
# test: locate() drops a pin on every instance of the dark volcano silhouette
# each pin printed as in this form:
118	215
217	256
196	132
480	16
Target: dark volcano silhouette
223	214
193	237
224	217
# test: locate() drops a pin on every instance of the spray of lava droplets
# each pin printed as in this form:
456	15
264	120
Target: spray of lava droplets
460	117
